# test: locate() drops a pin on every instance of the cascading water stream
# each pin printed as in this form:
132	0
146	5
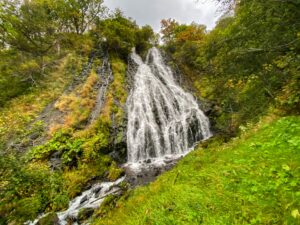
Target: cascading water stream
163	119
89	199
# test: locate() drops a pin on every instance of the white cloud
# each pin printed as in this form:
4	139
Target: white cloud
153	11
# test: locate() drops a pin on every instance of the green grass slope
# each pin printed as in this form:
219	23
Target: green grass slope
254	179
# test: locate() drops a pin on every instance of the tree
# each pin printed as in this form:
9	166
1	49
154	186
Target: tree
118	33
145	37
168	27
30	26
80	15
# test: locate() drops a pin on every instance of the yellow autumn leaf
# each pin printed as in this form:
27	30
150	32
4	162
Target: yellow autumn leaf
286	167
295	213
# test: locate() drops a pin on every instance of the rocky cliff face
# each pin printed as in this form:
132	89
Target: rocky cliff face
84	133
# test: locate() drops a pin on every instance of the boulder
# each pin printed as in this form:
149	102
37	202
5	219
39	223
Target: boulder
50	219
85	214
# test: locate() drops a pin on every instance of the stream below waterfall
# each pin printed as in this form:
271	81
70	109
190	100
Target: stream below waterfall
164	124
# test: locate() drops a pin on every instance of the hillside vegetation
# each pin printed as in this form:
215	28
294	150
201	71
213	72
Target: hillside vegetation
253	179
245	70
246	65
50	74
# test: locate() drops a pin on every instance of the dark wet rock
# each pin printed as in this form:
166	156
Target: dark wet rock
119	153
84	199
34	136
147	172
167	161
97	190
56	155
55	161
105	78
131	71
157	172
85	214
71	220
148	161
50	219
92	181
55	164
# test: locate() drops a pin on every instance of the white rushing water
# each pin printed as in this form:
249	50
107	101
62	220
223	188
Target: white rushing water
164	123
163	119
91	198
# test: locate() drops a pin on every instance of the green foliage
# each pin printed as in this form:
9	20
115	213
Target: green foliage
50	219
253	179
29	190
247	64
85	214
30	25
43	45
107	205
74	147
19	73
62	143
96	140
34	34
119	35
83	44
28	207
18	115
145	38
36	26
78	15
114	172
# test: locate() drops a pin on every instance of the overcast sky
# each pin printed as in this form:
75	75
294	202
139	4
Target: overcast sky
153	11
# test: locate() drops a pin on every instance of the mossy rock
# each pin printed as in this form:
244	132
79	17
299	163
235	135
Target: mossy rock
107	205
85	214
50	219
115	172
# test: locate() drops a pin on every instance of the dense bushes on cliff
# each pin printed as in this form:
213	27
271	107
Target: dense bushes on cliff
248	63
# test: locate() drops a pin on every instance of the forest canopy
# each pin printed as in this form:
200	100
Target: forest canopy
249	61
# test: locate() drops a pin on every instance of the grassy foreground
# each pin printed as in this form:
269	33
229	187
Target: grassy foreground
254	179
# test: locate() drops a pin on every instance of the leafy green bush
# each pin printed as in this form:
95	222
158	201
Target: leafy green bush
62	142
29	190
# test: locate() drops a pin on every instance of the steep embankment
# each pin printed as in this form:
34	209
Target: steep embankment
58	140
19	112
253	179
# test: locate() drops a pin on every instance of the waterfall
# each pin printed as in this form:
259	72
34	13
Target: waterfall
163	119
